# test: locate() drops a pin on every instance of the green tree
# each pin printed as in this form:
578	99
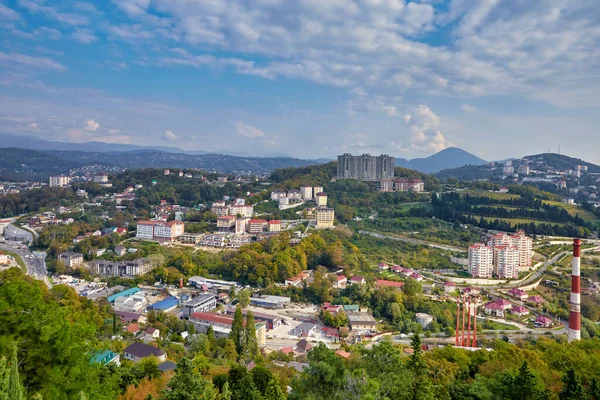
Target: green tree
244	298
250	341
10	383
421	384
572	387
225	392
237	330
524	385
187	385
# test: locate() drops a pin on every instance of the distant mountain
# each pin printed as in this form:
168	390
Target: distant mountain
26	164
36	143
449	158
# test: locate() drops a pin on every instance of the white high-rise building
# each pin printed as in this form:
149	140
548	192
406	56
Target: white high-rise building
306	192
506	262
159	230
525	246
480	261
59	181
316	190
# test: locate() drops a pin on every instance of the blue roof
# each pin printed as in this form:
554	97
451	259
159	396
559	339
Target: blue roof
164	304
103	357
128	292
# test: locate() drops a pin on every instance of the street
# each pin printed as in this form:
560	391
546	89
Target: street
36	267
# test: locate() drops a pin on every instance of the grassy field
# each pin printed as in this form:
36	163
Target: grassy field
491	195
514	221
406	207
574	210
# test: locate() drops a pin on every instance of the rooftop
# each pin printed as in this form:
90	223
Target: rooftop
142	350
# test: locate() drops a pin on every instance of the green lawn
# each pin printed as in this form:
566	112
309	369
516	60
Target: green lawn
574	210
491	195
497	326
515	221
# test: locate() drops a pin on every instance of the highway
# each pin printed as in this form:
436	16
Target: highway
36	267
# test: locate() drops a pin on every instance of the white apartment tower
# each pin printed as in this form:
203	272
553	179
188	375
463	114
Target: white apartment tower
59	181
306	192
480	261
520	241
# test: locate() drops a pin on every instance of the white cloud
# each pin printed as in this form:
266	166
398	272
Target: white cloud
133	8
8	13
30	61
85	36
425	136
170	135
91	125
47	33
248	130
467	108
66	18
33	125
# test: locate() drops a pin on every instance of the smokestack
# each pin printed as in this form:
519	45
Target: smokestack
475	326
469	324
462	341
574	316
457	321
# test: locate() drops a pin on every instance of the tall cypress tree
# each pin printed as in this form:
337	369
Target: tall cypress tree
251	342
237	330
422	388
572	388
15	390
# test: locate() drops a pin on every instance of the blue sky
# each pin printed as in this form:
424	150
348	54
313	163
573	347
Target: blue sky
308	78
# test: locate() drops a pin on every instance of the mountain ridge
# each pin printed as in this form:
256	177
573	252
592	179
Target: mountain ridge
452	157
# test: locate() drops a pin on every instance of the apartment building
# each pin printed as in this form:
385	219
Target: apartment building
213	240
71	260
518	240
190	238
241	225
59	181
274	226
321	199
409	185
365	167
306	192
242	210
506	262
257	226
160	230
480	261
317	189
226	223
324	217
386	185
120	268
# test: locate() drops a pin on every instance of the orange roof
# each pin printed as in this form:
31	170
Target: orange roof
133	328
383	282
343	354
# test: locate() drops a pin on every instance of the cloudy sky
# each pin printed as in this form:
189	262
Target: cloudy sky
309	78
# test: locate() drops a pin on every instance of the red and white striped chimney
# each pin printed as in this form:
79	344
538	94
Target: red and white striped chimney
574	317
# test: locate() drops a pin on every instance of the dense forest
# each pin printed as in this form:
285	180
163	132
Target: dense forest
34	200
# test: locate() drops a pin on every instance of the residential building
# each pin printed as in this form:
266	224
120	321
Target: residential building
480	261
518	294
226	223
137	351
241	210
236	242
59	181
506	262
449	287
340	282
120	250
359	280
221	325
241	225
160	230
219	210
120	268
386	185
494	309
271	321
523	169
543	321
317	190
409	185
106	357
274	226
519	311
100	178
306	192
294	194
296	280
361	322
521	242
201	303
270	301
71	260
278	194
152	333
321	199
166	305
305	329
257	226
217	240
190	238
365	167
324	217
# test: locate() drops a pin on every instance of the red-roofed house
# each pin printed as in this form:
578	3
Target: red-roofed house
296	280
340	282
344	354
383	266
133	328
396	269
152	333
392	284
537	300
360	280
121	231
505	304
287	350
332	309
257	225
449	287
274	226
519	311
543	321
494	308
417	277
518	294
407	272
331	333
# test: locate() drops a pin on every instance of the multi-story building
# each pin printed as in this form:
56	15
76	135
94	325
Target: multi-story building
508	170
226	223
523	169
274	226
241	225
386	185
59	181
201	303
278	194
294	194
242	210
160	230
213	240
409	185
257	226
236	242
321	199
120	268
506	262
317	189
480	261
306	192
101	178
520	241
324	217
190	238
365	167
71	260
